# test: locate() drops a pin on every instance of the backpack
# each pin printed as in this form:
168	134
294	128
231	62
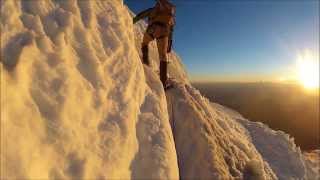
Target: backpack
163	13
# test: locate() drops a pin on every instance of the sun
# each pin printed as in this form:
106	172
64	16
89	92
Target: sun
308	69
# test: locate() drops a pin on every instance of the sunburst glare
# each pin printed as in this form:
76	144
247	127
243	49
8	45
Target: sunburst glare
308	69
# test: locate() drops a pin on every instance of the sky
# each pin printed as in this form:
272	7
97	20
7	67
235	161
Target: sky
242	40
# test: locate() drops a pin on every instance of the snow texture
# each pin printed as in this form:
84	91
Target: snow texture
77	103
312	162
208	143
278	149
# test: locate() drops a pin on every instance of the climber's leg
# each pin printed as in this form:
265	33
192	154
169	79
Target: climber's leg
144	48
163	73
162	44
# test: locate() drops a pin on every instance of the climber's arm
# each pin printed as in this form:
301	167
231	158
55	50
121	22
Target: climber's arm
142	15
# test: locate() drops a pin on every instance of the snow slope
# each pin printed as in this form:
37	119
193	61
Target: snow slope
77	103
209	145
277	148
312	161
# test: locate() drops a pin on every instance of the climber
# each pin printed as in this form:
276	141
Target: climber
161	20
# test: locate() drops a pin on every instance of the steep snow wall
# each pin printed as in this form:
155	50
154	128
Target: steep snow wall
75	103
208	144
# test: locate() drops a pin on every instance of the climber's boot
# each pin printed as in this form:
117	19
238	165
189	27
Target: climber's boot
145	55
163	72
164	75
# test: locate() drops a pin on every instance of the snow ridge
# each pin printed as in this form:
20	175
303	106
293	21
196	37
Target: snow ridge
207	145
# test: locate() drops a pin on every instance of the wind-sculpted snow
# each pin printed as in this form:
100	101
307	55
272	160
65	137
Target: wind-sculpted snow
208	144
77	103
154	133
312	162
278	149
74	98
